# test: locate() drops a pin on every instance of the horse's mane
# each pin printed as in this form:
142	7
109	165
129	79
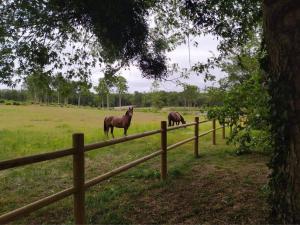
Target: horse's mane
181	117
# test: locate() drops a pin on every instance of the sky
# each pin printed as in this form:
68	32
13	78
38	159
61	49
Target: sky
207	46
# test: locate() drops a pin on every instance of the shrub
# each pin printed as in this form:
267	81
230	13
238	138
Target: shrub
16	103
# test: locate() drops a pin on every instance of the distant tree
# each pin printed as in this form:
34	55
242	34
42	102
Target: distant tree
121	86
172	98
64	88
156	96
138	98
57	84
68	88
82	87
216	96
190	93
103	90
38	84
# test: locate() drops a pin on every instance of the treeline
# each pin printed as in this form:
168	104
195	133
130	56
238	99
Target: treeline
140	99
111	91
156	99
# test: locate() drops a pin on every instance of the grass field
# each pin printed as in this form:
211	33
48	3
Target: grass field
136	196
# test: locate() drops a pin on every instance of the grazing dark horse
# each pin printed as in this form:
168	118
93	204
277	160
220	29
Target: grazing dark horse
120	122
175	117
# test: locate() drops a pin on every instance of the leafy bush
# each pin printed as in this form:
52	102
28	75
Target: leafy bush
245	103
16	103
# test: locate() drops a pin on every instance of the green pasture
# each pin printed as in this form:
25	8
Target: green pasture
27	130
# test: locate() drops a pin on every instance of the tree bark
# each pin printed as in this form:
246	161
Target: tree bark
107	101
66	100
120	100
35	97
78	100
282	39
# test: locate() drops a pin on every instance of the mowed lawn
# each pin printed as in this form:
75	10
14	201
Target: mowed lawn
196	191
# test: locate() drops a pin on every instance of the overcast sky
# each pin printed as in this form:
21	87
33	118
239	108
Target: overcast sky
206	47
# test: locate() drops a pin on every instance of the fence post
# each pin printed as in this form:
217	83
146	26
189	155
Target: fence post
164	150
78	178
223	132
196	144
214	132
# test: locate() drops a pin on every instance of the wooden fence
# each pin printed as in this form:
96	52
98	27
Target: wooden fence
80	185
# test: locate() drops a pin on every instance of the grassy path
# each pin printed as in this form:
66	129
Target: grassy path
212	191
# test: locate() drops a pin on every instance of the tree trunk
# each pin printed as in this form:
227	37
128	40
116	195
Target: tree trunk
47	98
78	100
102	101
58	100
35	97
282	39
120	100
107	101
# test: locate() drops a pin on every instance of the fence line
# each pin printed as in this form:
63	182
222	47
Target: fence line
23	161
78	151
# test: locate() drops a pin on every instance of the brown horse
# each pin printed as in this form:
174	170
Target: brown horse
120	122
175	117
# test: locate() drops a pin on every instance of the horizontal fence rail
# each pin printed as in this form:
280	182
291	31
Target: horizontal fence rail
180	143
121	169
119	140
181	126
78	150
23	161
16	214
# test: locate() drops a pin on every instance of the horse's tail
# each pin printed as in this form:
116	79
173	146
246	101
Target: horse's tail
169	120
105	127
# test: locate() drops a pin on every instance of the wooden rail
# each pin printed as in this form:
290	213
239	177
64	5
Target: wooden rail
23	161
123	168
119	140
78	150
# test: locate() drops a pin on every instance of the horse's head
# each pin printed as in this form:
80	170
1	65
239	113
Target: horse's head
129	112
182	119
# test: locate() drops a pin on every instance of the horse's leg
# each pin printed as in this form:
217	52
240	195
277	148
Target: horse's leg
112	131
107	131
125	131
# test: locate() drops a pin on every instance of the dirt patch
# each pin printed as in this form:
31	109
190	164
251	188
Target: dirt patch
209	194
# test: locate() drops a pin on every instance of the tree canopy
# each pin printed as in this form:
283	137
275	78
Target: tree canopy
74	35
